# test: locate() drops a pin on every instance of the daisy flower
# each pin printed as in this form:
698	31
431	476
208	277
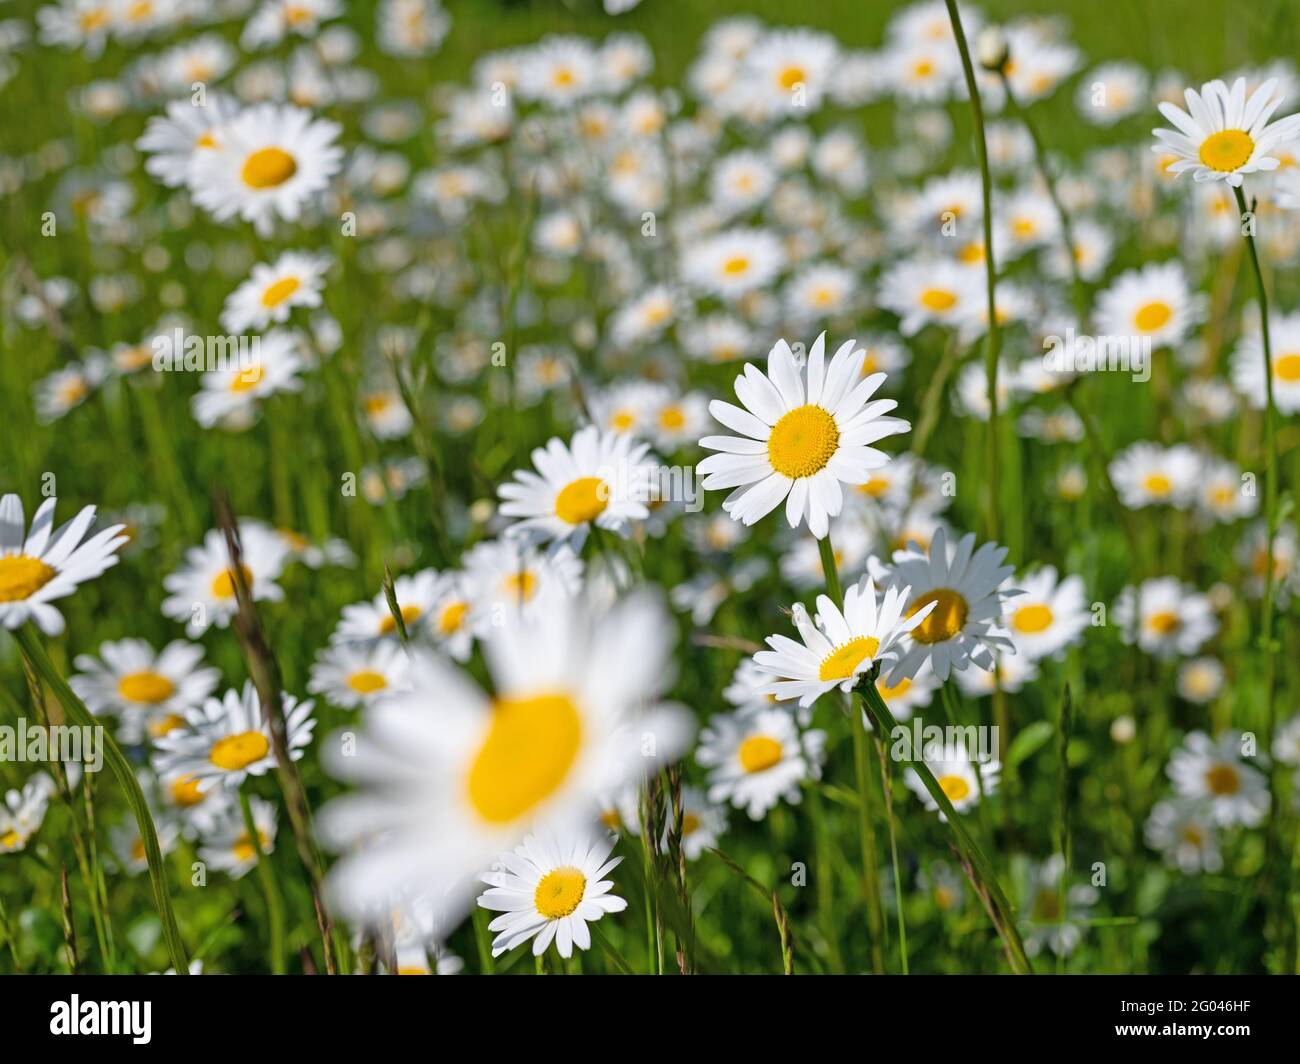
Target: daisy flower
416	594
229	848
355	674
906	696
1147	474
550	888
1251	555
451	776
755	759
148	689
838	646
277	19
938	292
228	739
1200	680
1010	672
1174	618
596	479
230	396
1185	835
504	575
1049	615
1221	493
961	779
293	280
702	823
733	263
788	72
1223	135
127	844
804	432
22	812
964	589
270	161
42	564
202	591
66	389
1214	771
175	140
1248	365
1153	303
1112	91
1053	922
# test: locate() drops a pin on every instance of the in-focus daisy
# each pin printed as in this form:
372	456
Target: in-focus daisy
838	646
962	778
270	161
149	690
273	290
964	589
1223	135
451	777
548	889
1215	771
596	479
202	590
355	674
804	432
1050	614
755	759
1185	835
230	848
42	564
1175	618
228	739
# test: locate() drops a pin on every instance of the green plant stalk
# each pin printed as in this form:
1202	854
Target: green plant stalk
991	335
1063	842
270	890
34	651
883	721
888	789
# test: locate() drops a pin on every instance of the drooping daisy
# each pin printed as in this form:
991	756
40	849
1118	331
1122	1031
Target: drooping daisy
1147	474
1216	772
1175	619
1050	614
755	759
273	290
961	777
597	479
44	564
1185	835
838	646
270	161
803	434
228	739
355	674
231	849
451	777
1153	304
1248	364
22	812
967	601
1223	135
548	889
416	594
202	591
732	263
149	690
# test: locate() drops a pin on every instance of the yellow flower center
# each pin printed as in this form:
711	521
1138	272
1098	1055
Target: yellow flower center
185	791
410	614
1152	316
897	691
530	748
1287	368
622	420
690	823
922	68
268	167
582	500
138	852
277	293
236	752
1157	484
10	840
206	139
945	897
21	577
247	379
840	662
938	299
954	787
611	819
735	265
520	586
165	726
223	584
945	620
875	487
671	418
1227	150
759	753
803	441
367	681
791	76
560	892
1047	906
244	849
145	686
1030	619
1164	622
452	616
562	77
1223	779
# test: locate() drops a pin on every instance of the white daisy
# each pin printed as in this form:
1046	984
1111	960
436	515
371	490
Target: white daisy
1186	835
44	564
938	292
1151	304
1215	771
229	847
22	812
416	595
1248	365
1200	680
703	822
293	280
502	576
355	674
1175	619
173	142
755	759
733	263
1147	474
962	779
803	435
1049	615
231	396
202	591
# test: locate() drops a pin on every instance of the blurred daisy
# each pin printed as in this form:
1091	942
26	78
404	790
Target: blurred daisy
503	576
1055	917
416	594
22	812
838	646
755	759
355	674
127	844
550	888
42	564
1185	835
936	292
1200	680
702	823
228	739
175	140
202	590
1214	771
230	395
148	689
1223	135
231	849
1153	303
964	591
293	280
906	696
1175	619
803	434
1248	365
1049	615
961	779
732	263
1146	474
1221	491
275	20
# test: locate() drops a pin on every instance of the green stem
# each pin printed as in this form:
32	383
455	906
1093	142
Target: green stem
893	851
270	891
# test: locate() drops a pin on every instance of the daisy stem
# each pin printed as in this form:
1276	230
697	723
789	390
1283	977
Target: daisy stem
999	908
34	652
893	852
270	891
830	571
991	337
